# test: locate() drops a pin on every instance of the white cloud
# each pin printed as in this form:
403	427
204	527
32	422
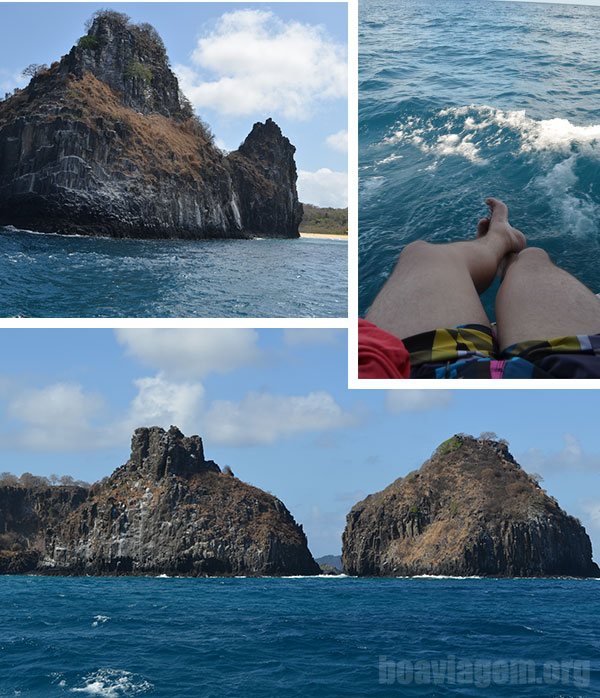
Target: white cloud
9	80
161	403
338	141
324	187
260	64
297	337
571	457
262	418
191	353
57	417
592	509
397	401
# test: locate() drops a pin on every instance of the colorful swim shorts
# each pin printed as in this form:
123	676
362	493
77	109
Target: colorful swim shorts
471	351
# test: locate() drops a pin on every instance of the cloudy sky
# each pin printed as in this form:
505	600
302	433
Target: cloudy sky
273	405
237	62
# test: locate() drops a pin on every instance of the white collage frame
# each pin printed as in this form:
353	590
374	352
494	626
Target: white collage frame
350	324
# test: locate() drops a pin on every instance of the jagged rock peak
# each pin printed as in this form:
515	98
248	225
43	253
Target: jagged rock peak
469	510
132	60
156	453
266	139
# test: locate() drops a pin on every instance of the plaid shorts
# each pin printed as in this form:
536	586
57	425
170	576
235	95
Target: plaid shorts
471	351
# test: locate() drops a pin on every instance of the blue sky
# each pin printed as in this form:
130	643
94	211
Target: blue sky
240	63
274	406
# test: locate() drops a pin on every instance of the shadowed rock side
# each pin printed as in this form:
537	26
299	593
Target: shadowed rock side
469	510
104	143
166	511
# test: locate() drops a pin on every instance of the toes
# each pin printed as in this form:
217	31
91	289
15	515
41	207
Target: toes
482	227
499	210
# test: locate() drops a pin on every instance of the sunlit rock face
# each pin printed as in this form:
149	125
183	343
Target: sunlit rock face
104	143
470	510
167	510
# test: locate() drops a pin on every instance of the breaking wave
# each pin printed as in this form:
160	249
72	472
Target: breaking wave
113	683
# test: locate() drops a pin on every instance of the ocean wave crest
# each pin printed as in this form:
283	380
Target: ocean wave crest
560	155
468	130
113	683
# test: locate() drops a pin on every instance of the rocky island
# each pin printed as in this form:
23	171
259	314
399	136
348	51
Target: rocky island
167	510
104	143
470	510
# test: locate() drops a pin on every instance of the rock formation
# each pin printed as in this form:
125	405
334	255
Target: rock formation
168	510
469	510
104	143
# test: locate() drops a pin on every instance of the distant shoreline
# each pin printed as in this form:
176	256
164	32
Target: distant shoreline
326	236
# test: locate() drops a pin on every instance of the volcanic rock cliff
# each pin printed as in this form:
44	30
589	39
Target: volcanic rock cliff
469	510
104	143
168	510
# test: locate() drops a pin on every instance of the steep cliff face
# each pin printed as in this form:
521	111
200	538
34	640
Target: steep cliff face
264	158
469	510
104	143
170	511
28	516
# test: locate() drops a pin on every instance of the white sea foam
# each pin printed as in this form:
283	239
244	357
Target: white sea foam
113	683
578	215
557	146
440	576
390	158
557	135
369	187
460	126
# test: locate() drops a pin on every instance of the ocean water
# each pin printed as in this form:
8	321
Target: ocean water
303	637
464	99
64	276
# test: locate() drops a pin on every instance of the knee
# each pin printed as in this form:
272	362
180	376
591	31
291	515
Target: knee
419	248
535	256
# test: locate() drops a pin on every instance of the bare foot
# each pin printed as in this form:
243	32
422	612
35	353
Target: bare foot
482	227
508	238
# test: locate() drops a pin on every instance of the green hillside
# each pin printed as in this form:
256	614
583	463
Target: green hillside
333	221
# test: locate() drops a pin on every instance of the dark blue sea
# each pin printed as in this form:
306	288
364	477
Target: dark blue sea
464	99
329	637
64	276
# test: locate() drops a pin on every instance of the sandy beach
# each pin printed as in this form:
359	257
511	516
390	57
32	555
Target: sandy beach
324	236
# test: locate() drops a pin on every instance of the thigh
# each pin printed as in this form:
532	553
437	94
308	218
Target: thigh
539	301
430	287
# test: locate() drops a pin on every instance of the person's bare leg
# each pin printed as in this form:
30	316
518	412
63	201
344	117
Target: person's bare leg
538	300
439	285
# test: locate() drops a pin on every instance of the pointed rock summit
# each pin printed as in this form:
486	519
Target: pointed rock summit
156	453
167	510
103	142
470	510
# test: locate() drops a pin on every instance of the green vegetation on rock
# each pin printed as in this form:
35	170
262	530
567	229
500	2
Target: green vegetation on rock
451	444
138	71
88	43
331	221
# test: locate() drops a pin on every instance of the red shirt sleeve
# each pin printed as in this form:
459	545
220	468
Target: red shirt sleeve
380	354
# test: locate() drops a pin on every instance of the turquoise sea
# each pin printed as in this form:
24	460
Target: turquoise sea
464	99
65	276
302	637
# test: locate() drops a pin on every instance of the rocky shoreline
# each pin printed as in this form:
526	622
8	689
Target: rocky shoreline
167	510
469	511
103	143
